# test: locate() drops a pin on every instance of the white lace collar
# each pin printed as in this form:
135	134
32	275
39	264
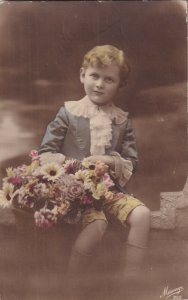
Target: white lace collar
101	118
85	108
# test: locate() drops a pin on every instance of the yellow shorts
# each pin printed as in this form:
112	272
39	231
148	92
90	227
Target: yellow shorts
117	208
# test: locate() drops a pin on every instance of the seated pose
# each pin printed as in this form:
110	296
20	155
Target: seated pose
95	129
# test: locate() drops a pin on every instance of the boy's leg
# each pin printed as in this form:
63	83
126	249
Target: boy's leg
81	255
136	245
85	246
131	211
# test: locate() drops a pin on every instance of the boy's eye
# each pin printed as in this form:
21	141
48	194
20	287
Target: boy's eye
95	76
109	80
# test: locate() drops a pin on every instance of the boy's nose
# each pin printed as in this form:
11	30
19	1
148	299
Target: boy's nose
100	84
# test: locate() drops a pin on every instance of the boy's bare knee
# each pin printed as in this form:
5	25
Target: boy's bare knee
90	237
140	215
101	227
144	212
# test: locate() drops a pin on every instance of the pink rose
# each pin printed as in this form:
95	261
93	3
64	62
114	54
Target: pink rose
15	180
86	200
100	169
74	190
34	155
107	180
45	218
109	196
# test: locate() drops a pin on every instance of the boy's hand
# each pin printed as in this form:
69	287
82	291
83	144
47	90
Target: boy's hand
106	159
49	157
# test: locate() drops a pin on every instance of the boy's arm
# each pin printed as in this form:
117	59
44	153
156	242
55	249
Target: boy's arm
129	151
55	133
125	162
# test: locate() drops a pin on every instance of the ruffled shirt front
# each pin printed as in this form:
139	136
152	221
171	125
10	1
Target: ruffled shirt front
101	118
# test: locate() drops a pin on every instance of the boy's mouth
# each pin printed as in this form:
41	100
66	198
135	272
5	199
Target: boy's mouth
98	93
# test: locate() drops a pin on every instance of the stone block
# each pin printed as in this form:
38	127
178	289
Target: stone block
173	210
182	217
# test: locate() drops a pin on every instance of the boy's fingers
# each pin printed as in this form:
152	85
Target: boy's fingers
97	157
91	158
48	157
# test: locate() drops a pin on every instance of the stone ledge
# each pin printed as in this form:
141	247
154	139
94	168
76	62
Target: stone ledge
173	210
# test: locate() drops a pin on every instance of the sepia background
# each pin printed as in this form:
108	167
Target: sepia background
41	49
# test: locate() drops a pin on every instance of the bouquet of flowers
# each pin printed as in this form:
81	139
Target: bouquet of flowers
54	191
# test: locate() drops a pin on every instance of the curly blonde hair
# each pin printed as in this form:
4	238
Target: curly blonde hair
102	56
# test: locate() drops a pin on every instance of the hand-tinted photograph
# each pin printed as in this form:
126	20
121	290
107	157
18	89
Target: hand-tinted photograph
93	156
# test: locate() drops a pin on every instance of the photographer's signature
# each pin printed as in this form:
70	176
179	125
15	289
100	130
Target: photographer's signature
174	294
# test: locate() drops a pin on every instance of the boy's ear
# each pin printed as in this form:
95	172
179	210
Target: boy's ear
82	75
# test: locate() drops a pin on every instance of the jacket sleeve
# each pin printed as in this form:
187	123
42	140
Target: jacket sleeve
129	151
126	161
55	133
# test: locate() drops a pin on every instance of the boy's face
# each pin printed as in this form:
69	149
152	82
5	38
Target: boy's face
101	84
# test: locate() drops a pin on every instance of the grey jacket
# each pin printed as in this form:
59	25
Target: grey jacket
70	135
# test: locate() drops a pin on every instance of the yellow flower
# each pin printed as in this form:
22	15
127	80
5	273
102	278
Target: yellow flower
86	163
109	196
90	173
27	187
99	191
51	171
63	208
33	166
10	172
84	175
80	175
89	185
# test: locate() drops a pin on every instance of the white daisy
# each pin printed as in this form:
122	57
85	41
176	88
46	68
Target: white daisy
3	200
8	189
51	171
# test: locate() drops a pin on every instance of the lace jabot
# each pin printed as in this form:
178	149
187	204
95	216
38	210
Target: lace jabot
101	118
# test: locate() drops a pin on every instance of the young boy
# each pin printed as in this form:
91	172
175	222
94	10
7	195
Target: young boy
94	128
